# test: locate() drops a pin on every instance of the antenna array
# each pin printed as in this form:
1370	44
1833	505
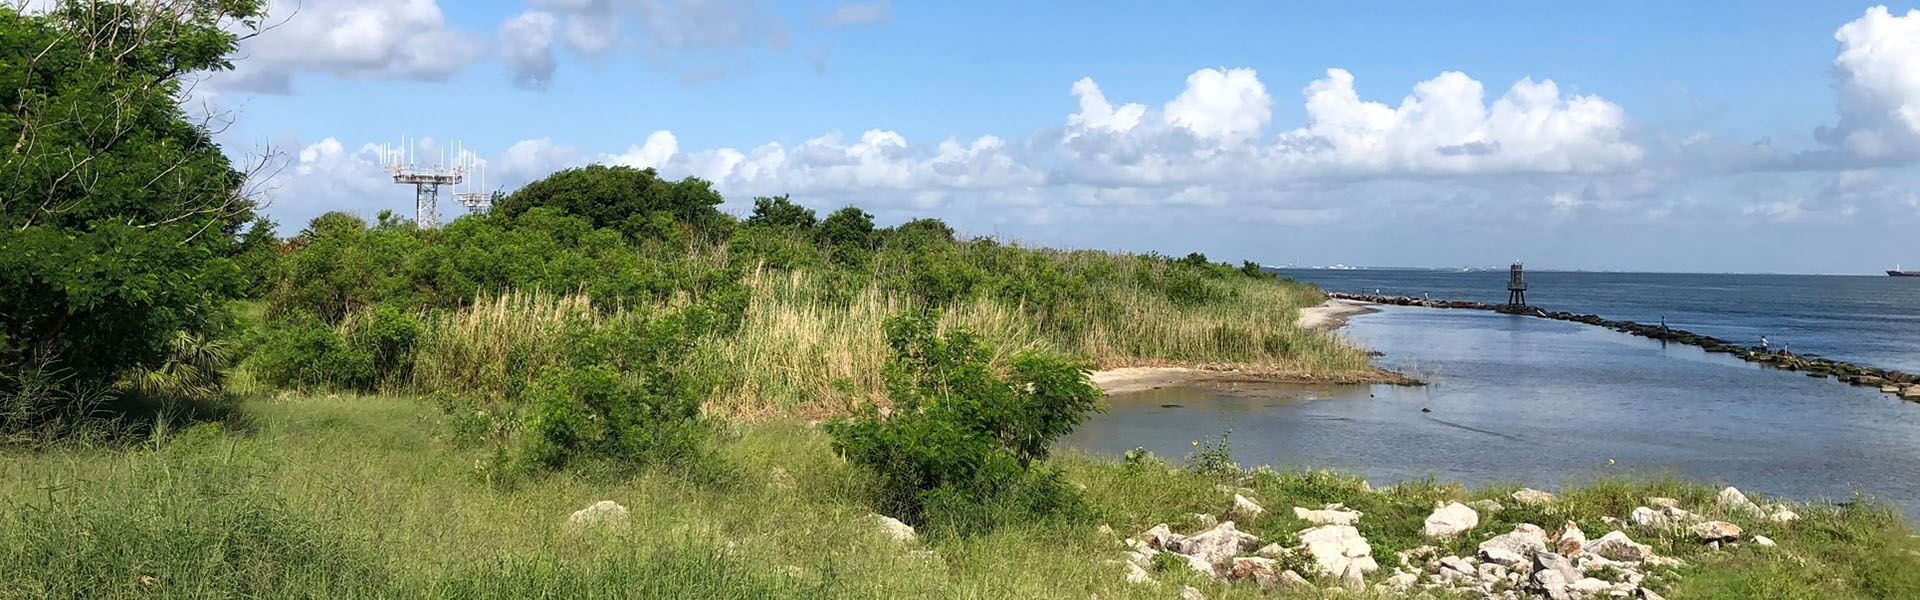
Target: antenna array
403	163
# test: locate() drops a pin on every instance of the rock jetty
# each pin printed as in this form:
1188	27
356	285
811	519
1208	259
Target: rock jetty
1903	385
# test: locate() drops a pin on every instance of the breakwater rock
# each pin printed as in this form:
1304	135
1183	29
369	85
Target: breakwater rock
1903	385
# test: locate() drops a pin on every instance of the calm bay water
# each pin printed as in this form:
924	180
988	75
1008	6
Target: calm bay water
1546	403
1872	321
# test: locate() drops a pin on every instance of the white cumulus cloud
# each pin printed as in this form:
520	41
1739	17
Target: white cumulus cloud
1446	126
1878	81
526	43
1208	147
660	146
352	39
1230	104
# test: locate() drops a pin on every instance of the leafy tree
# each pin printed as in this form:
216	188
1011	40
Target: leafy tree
922	233
344	265
778	211
1252	269
635	202
118	215
848	236
258	256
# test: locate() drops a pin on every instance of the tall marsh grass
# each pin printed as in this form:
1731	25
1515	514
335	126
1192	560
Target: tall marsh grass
500	343
801	354
811	347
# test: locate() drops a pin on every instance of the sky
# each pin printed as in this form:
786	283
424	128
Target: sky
1697	136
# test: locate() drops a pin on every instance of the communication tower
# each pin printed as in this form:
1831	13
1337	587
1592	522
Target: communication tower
427	179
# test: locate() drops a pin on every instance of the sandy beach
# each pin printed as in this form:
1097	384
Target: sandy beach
1333	313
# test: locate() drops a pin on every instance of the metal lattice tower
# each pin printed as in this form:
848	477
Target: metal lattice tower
427	179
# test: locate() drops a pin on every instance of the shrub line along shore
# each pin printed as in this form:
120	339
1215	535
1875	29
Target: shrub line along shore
1903	385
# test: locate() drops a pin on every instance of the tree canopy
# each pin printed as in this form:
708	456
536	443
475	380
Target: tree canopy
635	202
119	216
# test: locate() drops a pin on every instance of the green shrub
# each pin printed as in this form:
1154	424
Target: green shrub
369	350
959	450
387	336
301	351
595	416
621	401
1214	457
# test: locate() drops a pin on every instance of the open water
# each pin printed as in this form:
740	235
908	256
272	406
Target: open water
1550	403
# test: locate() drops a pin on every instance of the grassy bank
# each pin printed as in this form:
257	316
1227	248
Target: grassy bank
809	344
800	353
372	497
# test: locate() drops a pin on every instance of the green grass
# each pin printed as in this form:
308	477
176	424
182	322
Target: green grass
368	497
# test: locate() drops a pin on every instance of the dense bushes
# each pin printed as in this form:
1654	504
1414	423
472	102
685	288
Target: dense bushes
620	399
371	349
960	447
495	314
118	215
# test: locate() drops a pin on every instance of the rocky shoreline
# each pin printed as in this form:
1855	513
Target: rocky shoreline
1903	385
1527	562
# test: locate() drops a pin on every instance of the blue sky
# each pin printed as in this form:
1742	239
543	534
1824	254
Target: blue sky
1699	137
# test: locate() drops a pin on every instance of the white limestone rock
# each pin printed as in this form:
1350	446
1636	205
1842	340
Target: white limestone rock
1216	546
1531	497
1137	574
1736	503
605	514
1449	521
900	532
1335	547
1525	540
1245	509
1333	514
1616	545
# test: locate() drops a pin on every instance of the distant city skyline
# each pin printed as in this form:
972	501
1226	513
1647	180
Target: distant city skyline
1710	136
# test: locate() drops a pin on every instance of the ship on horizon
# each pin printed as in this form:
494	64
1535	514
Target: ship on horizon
1896	272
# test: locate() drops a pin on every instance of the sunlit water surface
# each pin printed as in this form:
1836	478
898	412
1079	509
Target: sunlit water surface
1544	403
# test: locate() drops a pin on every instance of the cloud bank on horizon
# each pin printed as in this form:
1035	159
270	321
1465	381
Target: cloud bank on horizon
1453	152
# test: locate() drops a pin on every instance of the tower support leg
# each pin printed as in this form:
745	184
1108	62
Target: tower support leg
426	213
